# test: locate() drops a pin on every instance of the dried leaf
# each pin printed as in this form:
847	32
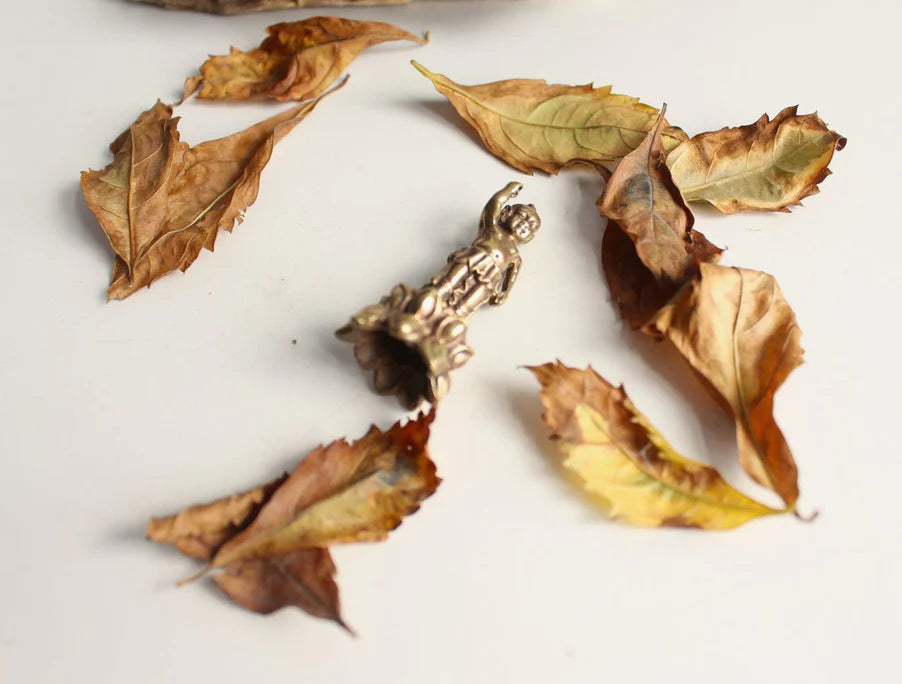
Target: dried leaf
649	248
628	465
304	578
299	59
270	541
159	201
769	165
241	6
200	530
533	125
641	199
342	493
635	291
740	335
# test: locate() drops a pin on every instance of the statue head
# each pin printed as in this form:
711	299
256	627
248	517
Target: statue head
521	221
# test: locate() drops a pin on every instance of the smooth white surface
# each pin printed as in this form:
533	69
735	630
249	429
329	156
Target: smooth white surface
114	412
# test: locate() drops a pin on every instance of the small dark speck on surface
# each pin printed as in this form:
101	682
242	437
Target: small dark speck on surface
294	341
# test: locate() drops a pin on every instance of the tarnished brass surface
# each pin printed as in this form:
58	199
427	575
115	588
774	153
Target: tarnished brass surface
414	337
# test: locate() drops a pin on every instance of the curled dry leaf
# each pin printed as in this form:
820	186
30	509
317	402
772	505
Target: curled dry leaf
242	6
298	59
628	465
649	248
199	531
636	292
740	335
641	199
769	165
270	542
342	493
160	201
531	124
304	578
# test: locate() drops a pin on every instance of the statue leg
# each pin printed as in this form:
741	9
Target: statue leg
450	277
475	298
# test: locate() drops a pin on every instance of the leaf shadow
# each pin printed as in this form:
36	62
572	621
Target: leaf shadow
134	534
74	205
209	587
444	110
125	533
526	408
591	224
717	427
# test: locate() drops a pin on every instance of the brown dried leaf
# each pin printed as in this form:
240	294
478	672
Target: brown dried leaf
740	335
200	530
649	248
270	541
342	493
531	124
299	59
160	202
635	291
623	461
304	578
242	6
641	199
769	165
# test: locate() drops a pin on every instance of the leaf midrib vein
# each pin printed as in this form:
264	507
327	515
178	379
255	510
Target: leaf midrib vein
773	163
500	115
674	488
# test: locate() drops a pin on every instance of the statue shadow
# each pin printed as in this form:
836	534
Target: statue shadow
338	354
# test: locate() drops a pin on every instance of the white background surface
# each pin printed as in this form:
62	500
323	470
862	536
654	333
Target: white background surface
193	389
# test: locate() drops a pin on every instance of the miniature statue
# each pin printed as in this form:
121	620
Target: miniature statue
414	338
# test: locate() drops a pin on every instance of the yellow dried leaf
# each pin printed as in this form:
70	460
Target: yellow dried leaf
769	165
298	60
628	465
737	331
531	124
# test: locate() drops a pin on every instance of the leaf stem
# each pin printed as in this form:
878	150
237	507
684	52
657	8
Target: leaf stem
196	576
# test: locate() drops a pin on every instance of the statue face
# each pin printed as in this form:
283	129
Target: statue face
523	223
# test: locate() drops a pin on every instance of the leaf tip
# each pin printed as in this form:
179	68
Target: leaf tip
344	625
809	518
423	70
